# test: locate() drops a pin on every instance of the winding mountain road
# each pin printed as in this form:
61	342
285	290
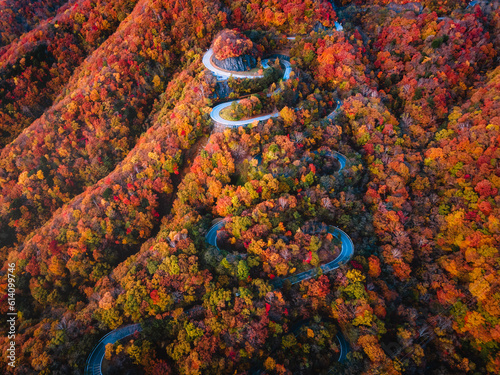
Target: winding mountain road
347	249
222	73
335	112
346	253
344	347
94	361
215	114
342	160
211	236
216	117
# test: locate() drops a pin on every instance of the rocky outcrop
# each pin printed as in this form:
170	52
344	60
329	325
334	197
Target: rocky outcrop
236	64
222	90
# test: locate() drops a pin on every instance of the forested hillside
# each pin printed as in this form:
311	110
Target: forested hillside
265	186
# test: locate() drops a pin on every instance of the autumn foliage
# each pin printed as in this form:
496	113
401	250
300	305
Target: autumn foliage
230	43
112	174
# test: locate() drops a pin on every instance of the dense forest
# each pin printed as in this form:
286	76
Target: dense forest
250	187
